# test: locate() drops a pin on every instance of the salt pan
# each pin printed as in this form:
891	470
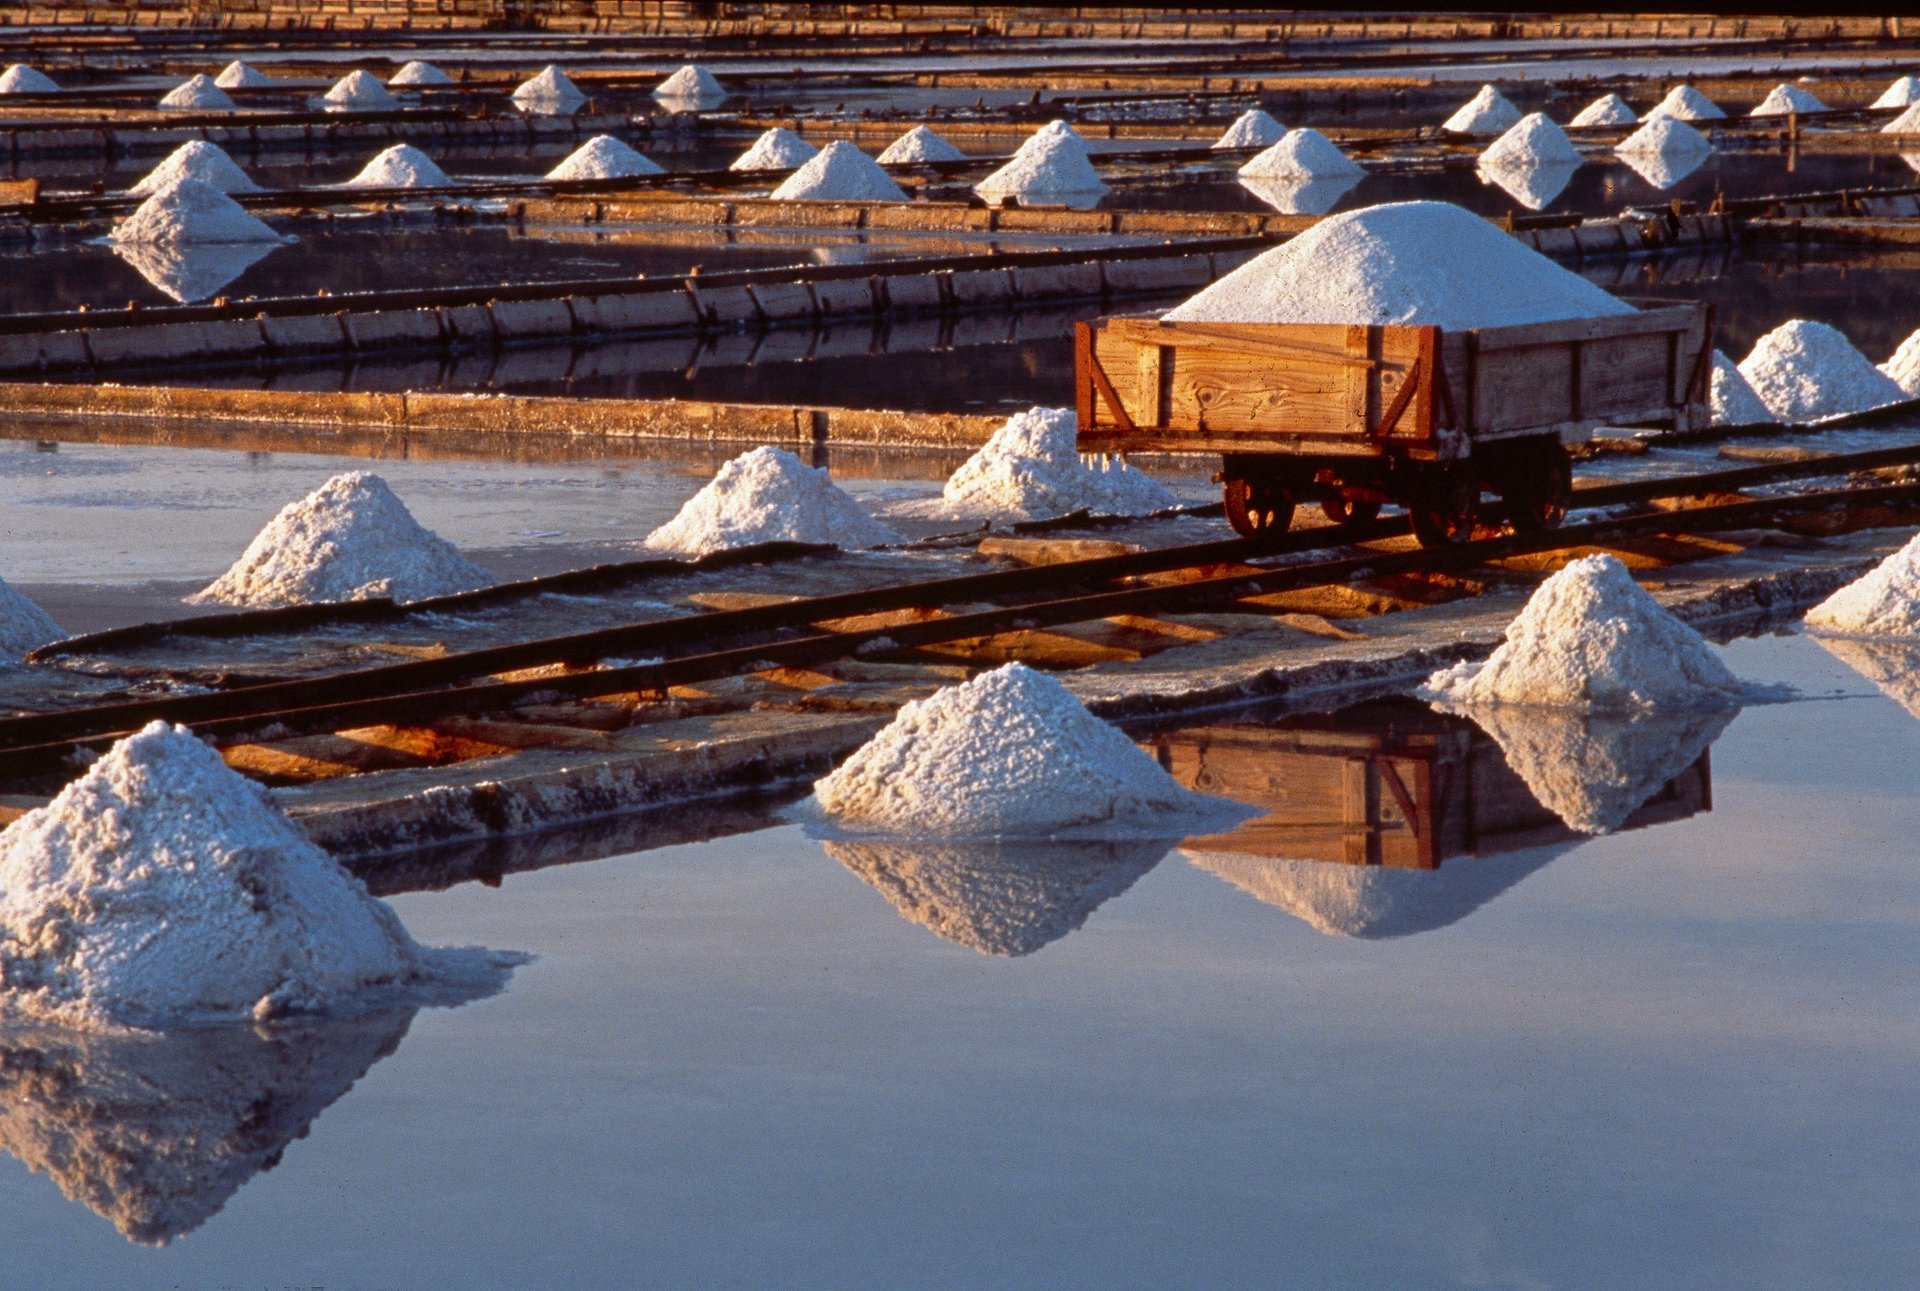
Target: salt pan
691	82
196	159
1253	128
1734	401
1804	371
1591	638
919	145
1903	92
1607	110
1883	602
1904	366
1048	163
604	157
1302	154
21	79
401	166
1664	136
241	76
358	89
416	75
1030	469
350	539
1687	104
24	626
1487	112
1785	100
1534	140
777	149
769	495
198	94
840	172
549	90
1907	122
190	211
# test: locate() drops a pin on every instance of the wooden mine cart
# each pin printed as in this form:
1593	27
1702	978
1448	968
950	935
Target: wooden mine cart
1357	416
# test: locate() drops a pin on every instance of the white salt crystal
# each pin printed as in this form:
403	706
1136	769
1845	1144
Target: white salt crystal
919	145
401	166
1051	137
604	157
1904	366
769	495
415	74
1607	110
840	172
1253	128
1902	92
1804	370
1687	104
1030	469
188	210
241	76
1907	122
1053	162
1487	112
198	94
1784	100
1734	401
1302	154
358	89
1664	136
548	90
691	82
1534	140
1883	602
24	626
196	159
21	79
776	149
350	539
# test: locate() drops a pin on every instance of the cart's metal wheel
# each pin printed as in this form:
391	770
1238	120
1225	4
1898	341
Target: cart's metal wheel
1257	507
1542	487
1349	510
1445	505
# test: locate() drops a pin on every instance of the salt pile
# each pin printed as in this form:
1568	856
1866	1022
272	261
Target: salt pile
1904	366
241	76
191	211
1405	262
350	539
192	271
1902	92
777	149
840	172
1734	401
1300	196
1030	469
358	89
21	79
162	888
1009	754
198	94
1607	110
1883	602
24	626
1665	136
401	166
1534	140
1302	154
1907	122
1051	136
416	74
1591	638
549	91
1687	104
196	159
1804	370
1785	100
1253	128
691	82
1487	112
1533	186
919	145
1052	161
604	157
769	495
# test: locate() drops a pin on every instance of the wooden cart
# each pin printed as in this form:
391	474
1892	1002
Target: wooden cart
1357	416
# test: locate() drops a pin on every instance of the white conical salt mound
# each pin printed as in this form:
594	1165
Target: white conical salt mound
1907	122
358	89
1488	112
1254	128
161	888
1687	104
691	82
24	626
840	172
1607	110
416	74
1405	262
350	539
604	157
198	94
1666	137
1591	638
1534	140
776	149
21	79
1009	754
191	211
1904	366
1056	163
1532	184
1734	401
1902	92
1883	602
1030	469
769	495
1052	136
241	76
1786	100
1302	154
401	166
549	88
919	145
1804	371
196	159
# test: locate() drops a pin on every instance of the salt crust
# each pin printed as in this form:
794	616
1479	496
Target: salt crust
1904	365
604	157
192	271
1534	186
776	149
1804	371
1300	196
1734	401
1487	112
1534	140
196	159
198	93
840	172
917	145
24	626
1405	262
769	495
1907	122
188	210
163	889
241	76
691	82
1688	104
414	74
1664	136
1009	754
1030	469
1784	100
1054	162
1893	666
1902	91
1591	638
1253	128
401	166
1883	602
1302	154
548	88
1607	110
1665	169
21	79
358	89
350	539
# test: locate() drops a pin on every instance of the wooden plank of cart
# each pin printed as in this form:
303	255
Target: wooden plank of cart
1353	417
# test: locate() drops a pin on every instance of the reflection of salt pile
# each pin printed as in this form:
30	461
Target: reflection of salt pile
1487	112
24	626
415	74
1031	469
190	211
192	271
1903	91
401	166
1405	262
197	93
776	149
358	89
840	172
1907	122
549	90
1665	169
1667	137
1534	140
21	79
1607	110
1051	162
1533	186
241	76
156	1133
1687	104
1253	128
349	540
1904	365
604	157
1302	154
691	82
769	495
1784	100
918	145
161	888
1591	638
196	159
1804	370
1010	754
999	897
1892	666
1883	602
1300	196
1734	401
